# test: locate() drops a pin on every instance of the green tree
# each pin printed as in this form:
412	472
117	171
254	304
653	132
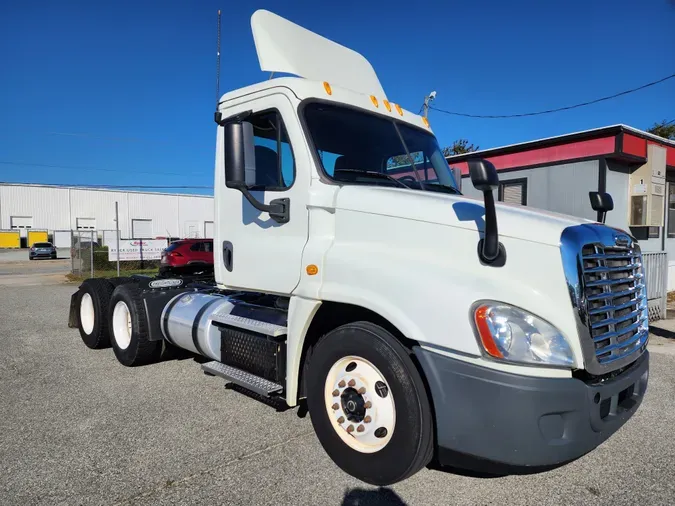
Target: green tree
665	129
459	147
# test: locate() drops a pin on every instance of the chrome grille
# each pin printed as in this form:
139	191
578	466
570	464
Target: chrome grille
615	299
605	280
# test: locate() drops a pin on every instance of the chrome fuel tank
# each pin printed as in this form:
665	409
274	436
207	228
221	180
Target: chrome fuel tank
186	322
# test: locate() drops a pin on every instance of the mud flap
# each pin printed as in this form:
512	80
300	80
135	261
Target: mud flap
72	316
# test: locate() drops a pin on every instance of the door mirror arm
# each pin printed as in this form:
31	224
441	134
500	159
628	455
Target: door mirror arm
278	209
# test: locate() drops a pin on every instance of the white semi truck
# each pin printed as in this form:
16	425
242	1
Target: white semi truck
351	274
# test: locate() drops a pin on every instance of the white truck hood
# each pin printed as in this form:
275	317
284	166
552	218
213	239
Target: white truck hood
456	211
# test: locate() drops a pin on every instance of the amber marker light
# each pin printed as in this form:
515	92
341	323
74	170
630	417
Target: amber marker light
481	318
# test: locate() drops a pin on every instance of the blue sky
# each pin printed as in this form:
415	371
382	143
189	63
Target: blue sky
123	92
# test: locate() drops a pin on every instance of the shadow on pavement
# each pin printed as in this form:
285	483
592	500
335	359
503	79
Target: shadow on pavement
658	331
380	497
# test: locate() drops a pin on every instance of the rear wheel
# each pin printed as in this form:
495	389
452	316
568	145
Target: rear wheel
368	404
92	303
129	329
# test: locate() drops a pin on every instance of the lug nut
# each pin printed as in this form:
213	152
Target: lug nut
336	393
341	420
367	419
368	405
335	406
351	383
342	384
361	390
350	429
360	428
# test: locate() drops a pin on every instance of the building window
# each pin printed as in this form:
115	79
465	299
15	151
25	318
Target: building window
671	209
513	191
273	157
141	229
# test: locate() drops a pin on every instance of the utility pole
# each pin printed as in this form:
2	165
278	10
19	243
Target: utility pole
427	100
117	236
218	63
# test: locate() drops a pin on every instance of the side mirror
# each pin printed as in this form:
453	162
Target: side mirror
239	154
484	178
602	203
235	166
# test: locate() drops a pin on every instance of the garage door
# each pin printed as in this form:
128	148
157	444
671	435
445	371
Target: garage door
36	236
141	229
10	239
208	229
63	238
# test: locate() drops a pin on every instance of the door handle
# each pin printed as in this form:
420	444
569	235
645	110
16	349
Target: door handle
228	253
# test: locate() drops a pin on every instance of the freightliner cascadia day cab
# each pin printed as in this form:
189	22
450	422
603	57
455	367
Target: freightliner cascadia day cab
419	326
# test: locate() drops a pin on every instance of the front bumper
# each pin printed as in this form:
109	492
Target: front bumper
524	421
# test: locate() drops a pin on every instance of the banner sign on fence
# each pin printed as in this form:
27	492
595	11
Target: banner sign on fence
137	249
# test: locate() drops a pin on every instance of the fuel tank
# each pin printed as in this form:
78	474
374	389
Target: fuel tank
187	322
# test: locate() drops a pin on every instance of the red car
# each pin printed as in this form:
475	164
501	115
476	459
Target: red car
187	255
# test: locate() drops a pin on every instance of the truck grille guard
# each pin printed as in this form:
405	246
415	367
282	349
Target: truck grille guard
606	282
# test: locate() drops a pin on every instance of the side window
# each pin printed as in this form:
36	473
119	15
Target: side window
272	154
208	247
197	247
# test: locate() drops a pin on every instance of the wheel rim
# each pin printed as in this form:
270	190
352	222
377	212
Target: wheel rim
87	313
360	404
121	323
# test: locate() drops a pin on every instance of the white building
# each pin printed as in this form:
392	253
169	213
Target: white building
142	215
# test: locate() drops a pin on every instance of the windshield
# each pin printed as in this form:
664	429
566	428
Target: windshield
359	147
42	245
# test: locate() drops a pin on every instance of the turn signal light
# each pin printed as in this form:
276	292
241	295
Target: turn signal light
387	105
327	87
481	318
398	109
312	270
373	99
426	122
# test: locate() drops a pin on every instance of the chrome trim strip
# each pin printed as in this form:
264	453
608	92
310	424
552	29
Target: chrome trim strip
572	242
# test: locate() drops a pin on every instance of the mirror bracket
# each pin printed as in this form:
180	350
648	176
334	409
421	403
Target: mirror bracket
278	209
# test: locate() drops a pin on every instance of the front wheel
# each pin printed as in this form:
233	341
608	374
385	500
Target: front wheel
368	404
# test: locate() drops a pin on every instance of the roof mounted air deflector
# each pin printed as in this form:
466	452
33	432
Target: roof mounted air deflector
286	47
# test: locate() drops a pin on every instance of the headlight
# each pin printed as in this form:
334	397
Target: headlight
514	335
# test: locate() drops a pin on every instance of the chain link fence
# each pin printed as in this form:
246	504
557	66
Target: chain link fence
90	258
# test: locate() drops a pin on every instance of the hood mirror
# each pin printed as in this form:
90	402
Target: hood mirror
602	203
485	179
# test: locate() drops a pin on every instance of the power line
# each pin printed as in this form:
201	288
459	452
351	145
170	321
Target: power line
52	166
549	111
112	186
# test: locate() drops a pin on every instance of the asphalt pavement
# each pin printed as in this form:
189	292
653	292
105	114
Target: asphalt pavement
76	427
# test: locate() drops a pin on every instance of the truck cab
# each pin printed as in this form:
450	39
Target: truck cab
352	275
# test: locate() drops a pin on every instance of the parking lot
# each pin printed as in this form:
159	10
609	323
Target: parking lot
78	428
17	270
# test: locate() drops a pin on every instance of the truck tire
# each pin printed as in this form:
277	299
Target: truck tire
92	312
368	404
115	282
129	328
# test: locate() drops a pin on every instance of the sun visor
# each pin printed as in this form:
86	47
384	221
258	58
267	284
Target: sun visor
283	46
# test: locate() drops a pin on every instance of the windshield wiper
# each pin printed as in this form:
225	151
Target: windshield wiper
445	187
377	174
